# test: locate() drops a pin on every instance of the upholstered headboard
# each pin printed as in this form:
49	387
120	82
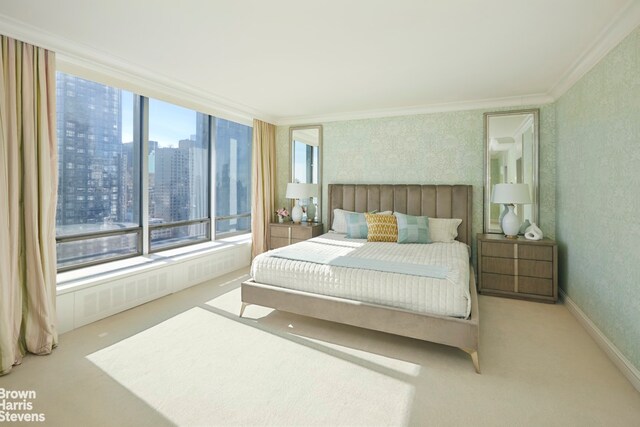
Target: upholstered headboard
436	201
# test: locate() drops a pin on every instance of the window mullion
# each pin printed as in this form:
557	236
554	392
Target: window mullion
143	130
212	176
116	186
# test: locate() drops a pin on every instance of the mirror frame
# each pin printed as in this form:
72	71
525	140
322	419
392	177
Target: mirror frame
535	165
291	160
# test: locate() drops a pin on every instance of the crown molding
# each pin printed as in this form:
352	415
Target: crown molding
75	57
136	80
626	20
494	103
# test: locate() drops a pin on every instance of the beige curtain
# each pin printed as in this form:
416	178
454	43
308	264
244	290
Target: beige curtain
28	193
263	184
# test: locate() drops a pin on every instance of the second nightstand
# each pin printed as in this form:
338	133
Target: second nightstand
288	233
518	268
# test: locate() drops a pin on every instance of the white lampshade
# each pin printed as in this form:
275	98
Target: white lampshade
301	191
517	194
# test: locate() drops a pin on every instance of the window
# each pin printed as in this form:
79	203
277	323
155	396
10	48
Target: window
233	177
178	175
100	212
87	230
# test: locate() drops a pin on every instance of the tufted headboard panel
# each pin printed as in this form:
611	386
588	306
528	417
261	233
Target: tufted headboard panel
436	201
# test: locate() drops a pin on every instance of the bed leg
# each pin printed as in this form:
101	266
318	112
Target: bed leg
244	305
474	358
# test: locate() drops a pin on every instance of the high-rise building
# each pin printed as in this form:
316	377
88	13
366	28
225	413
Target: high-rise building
233	175
100	176
89	154
128	200
171	191
179	187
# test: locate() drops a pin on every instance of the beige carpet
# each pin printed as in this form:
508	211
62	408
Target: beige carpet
188	360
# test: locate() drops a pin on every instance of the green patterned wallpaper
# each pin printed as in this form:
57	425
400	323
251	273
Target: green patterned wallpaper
598	191
441	148
588	138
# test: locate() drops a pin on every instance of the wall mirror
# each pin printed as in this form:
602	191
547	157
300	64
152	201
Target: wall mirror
306	166
511	157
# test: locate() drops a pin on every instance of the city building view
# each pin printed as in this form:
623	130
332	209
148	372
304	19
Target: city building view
99	195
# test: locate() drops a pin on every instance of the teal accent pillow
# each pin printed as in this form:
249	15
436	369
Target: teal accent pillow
356	226
412	229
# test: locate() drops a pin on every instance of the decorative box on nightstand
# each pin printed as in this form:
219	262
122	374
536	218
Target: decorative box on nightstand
518	268
288	233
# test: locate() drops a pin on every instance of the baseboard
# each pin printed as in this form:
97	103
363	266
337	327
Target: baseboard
618	359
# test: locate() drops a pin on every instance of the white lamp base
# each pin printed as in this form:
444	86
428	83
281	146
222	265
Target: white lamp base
296	213
511	224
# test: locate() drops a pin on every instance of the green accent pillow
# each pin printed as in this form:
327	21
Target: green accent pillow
412	229
356	226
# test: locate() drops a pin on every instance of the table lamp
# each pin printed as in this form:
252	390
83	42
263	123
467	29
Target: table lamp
299	191
511	195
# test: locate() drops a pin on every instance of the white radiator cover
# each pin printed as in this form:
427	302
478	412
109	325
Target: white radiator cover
91	303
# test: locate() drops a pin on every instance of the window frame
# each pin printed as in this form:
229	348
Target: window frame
141	189
176	224
99	234
231	233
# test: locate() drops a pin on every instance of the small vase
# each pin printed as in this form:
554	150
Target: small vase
311	212
280	219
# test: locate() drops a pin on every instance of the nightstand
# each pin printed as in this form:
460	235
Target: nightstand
518	268
288	233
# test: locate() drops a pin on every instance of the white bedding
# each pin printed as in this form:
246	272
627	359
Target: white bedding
447	297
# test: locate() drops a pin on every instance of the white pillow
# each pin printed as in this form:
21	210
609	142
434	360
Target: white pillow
443	229
340	219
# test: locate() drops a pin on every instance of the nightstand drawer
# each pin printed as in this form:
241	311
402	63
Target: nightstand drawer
280	231
498	265
302	232
518	268
502	250
531	268
499	282
535	286
542	253
281	235
278	242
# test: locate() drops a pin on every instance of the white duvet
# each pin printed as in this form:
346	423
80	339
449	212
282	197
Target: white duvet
446	297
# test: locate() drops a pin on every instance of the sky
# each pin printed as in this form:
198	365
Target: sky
127	116
168	123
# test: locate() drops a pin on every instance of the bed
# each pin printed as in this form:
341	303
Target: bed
371	299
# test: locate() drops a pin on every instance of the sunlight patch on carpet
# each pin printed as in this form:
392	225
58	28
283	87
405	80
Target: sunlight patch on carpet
201	367
324	334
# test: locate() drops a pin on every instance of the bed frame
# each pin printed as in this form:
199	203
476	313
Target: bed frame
437	201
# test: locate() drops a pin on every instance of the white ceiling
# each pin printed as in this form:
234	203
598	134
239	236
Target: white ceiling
294	60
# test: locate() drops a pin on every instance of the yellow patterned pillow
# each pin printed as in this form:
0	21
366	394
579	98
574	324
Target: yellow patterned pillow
382	228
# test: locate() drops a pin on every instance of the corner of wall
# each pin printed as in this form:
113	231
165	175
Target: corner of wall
596	155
